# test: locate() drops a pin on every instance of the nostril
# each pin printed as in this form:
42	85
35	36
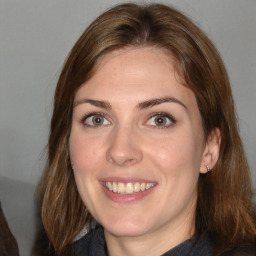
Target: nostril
129	162
122	161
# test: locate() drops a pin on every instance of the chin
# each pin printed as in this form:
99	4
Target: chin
121	227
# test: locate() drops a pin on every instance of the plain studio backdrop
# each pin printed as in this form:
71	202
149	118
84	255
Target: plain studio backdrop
36	37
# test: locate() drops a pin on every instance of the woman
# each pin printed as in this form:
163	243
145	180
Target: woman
144	143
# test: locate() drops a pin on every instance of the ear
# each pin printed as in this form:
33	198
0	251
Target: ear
211	151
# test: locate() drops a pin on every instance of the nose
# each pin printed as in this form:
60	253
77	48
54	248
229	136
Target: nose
124	147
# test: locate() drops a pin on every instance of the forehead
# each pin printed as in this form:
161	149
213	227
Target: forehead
125	79
133	68
131	57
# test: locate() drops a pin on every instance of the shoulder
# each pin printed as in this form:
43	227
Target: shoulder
92	244
244	250
203	245
199	245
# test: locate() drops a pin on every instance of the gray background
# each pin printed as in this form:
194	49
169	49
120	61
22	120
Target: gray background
36	36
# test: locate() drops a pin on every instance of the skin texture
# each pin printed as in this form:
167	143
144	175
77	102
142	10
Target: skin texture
130	145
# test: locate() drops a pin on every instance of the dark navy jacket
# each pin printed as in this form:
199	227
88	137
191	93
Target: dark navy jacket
93	244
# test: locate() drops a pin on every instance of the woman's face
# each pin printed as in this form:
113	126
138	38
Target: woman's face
137	145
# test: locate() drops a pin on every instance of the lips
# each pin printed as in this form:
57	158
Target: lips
128	187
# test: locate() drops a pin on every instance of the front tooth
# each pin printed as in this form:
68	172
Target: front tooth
129	188
137	187
142	186
114	187
120	188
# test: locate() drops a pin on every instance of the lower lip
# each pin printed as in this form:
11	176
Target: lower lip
126	198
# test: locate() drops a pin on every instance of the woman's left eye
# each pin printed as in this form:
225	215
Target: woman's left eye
161	120
95	120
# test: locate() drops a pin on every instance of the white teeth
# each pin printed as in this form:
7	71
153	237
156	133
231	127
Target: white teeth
149	185
121	188
114	187
137	187
127	188
109	186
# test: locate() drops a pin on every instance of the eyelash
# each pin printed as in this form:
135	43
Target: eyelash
160	114
165	115
83	119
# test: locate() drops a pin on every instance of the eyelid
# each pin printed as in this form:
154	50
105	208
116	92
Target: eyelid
91	114
163	114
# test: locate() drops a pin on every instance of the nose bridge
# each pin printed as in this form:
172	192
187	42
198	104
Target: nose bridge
124	147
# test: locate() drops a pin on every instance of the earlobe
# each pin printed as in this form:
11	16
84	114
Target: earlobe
211	152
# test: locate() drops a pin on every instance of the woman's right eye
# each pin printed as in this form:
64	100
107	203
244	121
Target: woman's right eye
95	120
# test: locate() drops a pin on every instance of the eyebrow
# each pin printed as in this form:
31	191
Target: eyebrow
153	102
142	105
96	103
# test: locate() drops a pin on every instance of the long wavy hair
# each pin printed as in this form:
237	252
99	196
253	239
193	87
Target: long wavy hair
224	195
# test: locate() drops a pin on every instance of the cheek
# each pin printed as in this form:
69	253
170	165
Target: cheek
84	153
174	155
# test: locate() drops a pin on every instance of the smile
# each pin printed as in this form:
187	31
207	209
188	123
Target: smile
128	188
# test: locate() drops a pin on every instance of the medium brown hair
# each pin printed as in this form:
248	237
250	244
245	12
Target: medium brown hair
224	194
